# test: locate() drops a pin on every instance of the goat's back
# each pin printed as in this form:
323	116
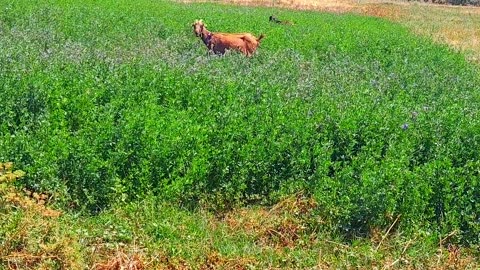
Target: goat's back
243	42
219	43
245	36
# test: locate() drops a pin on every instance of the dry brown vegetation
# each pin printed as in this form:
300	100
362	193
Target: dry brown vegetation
121	260
284	227
38	242
42	242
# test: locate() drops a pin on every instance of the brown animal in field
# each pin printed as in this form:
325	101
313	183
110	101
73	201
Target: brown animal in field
275	20
219	43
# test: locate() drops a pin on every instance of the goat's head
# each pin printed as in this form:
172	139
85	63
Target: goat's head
198	26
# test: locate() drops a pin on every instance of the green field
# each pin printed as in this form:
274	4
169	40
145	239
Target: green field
113	105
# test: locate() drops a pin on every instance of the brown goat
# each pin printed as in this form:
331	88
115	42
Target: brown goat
219	43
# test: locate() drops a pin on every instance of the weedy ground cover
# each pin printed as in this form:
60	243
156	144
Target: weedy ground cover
114	102
150	234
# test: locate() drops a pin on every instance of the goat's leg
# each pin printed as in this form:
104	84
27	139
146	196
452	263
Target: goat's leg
243	49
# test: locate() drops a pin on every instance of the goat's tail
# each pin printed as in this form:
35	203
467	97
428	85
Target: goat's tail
260	37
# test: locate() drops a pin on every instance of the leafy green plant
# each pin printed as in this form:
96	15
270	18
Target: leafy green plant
114	101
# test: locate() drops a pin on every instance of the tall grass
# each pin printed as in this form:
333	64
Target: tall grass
113	101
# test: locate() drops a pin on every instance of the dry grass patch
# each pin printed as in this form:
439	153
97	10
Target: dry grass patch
132	257
286	229
33	237
38	242
122	261
283	225
216	261
321	5
456	26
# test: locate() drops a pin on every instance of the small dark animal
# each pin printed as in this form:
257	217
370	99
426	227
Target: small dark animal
275	20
